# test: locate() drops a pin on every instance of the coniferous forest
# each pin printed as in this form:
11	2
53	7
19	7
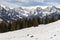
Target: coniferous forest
25	23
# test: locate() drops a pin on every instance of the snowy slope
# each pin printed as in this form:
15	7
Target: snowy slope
42	32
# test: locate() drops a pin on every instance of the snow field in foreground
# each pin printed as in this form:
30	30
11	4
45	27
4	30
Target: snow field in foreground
42	32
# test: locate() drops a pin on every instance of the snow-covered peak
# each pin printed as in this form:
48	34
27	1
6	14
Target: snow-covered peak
2	5
51	8
18	9
20	12
38	8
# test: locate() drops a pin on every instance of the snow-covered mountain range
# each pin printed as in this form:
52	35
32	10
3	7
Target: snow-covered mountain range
29	12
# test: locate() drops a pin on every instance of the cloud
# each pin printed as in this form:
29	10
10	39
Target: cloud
52	2
29	2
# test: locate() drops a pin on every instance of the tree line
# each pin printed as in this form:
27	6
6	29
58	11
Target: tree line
25	23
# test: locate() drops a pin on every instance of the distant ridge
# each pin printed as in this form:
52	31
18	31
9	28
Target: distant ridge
29	12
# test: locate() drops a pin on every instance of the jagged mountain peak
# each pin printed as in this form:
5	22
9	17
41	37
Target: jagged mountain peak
2	5
18	8
38	8
51	9
21	12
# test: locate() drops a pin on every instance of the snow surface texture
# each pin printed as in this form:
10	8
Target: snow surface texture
42	32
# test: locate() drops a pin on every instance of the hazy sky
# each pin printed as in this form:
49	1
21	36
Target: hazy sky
14	3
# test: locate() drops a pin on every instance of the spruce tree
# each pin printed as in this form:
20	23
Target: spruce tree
35	21
46	19
59	16
13	25
52	19
25	22
3	27
9	26
30	22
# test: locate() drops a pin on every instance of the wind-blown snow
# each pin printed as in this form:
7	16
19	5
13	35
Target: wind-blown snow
42	32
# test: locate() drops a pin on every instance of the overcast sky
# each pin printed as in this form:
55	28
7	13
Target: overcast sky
14	3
